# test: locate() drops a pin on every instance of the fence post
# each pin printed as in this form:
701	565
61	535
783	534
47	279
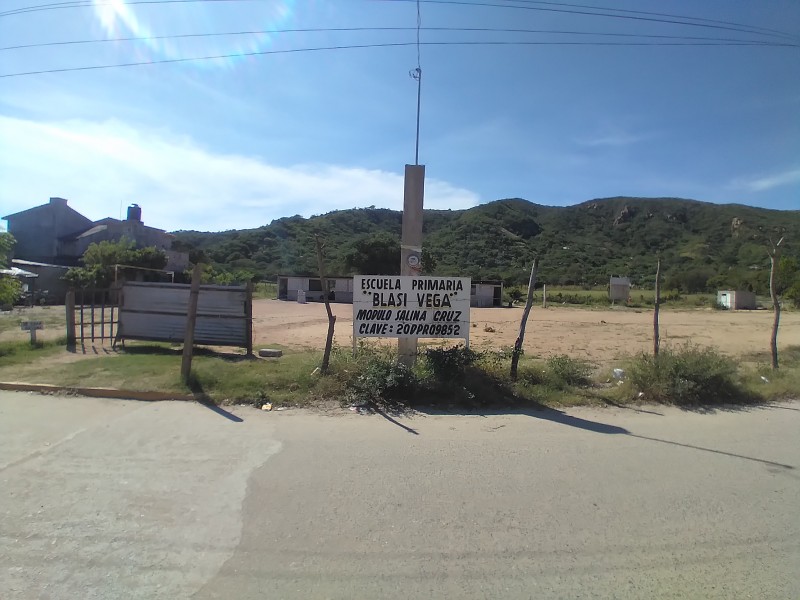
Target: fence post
191	319
69	305
248	309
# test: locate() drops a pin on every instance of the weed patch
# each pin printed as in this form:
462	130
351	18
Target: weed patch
687	375
15	353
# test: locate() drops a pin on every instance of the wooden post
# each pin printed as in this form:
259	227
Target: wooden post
521	337
248	310
191	320
544	296
70	308
656	307
774	259
94	295
83	299
326	357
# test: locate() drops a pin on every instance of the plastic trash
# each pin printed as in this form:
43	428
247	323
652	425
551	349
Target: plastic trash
267	406
619	373
764	379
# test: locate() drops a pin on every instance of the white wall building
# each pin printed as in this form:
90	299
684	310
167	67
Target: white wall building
736	299
482	293
340	288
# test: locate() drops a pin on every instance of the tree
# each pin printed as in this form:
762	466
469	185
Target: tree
100	260
774	251
374	254
10	287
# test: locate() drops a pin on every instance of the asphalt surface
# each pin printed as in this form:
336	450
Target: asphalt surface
122	499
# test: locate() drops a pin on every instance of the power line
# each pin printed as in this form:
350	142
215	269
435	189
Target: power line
376	29
91	3
541	5
686	21
389	45
655	14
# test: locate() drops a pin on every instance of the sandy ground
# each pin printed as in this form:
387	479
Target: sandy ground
596	335
118	499
599	336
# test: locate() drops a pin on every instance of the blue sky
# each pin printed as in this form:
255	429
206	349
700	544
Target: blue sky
236	142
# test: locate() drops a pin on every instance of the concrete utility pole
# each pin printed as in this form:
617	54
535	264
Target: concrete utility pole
413	197
411	244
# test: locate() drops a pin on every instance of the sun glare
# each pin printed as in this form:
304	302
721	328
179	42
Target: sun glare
120	19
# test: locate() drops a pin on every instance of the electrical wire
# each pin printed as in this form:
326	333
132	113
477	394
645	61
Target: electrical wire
377	29
387	45
540	5
91	3
653	14
687	21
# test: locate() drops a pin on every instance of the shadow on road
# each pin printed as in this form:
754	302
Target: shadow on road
204	399
557	416
544	413
750	458
378	411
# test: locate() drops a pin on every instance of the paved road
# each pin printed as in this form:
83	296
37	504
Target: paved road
115	499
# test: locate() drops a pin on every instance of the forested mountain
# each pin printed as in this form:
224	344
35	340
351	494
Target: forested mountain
701	245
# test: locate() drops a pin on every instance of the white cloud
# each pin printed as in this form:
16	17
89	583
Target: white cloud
103	166
762	184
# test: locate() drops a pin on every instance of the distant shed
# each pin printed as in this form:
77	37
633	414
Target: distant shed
485	294
340	288
619	289
736	299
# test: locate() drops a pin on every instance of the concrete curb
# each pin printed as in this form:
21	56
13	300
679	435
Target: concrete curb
94	392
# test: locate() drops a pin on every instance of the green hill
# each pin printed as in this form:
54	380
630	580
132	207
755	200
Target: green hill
702	246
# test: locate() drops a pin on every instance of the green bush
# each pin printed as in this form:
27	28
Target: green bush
564	371
374	376
559	372
686	375
449	364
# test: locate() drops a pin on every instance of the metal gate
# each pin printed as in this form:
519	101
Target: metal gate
92	316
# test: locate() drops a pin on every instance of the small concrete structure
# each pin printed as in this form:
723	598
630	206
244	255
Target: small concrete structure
270	353
340	289
619	289
736	299
485	294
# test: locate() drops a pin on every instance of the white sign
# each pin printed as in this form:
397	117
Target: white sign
31	325
411	307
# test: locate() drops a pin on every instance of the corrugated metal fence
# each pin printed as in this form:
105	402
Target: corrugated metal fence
158	312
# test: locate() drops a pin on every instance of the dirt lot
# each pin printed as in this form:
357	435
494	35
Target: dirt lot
597	335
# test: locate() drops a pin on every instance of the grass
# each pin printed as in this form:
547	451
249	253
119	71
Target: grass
598	297
13	354
773	385
686	376
156	367
53	317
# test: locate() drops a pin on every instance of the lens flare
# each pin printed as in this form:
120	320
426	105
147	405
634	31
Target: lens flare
119	19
